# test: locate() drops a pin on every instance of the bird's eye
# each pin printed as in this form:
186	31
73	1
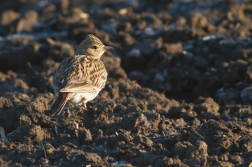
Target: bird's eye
94	47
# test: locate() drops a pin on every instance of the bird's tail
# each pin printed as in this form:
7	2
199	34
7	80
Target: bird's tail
59	104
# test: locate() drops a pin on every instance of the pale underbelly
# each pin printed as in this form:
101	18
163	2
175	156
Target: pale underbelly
79	97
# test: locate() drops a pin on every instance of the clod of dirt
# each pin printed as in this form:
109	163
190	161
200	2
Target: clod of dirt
113	66
143	140
101	105
173	48
63	5
208	105
208	108
198	23
236	159
27	161
19	83
247	158
126	38
97	112
49	66
136	122
92	158
60	50
24	120
44	150
196	155
228	96
3	163
180	149
246	95
20	99
8	17
20	57
41	119
84	135
226	164
49	149
27	133
168	162
147	48
144	158
79	157
247	145
25	24
198	20
187	113
130	109
5	103
201	62
197	151
151	19
40	104
181	21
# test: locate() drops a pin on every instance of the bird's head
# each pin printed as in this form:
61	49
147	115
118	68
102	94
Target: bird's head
92	47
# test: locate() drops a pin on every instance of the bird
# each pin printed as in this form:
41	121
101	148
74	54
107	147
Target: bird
81	77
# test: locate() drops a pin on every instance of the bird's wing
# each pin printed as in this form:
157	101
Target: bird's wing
77	87
86	75
61	75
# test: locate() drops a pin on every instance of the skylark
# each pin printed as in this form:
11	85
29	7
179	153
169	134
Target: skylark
81	77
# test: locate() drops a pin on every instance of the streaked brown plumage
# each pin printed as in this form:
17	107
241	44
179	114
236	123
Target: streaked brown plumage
81	77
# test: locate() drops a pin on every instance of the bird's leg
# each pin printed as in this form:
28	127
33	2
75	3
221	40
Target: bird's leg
85	106
84	103
67	112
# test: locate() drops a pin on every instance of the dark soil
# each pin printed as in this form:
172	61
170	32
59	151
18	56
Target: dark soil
179	89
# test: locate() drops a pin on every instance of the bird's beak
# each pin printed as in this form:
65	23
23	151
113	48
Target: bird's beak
107	48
